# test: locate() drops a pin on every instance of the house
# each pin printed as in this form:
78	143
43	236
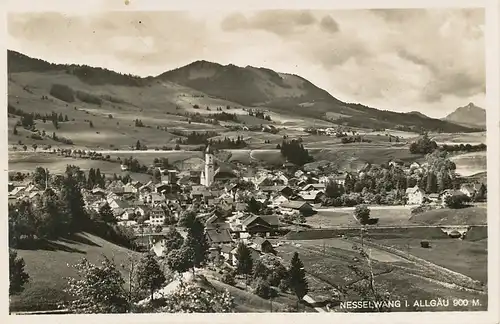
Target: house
98	192
264	225
339	179
313	196
469	189
277	200
415	196
433	197
218	235
314	187
263	245
117	204
302	207
129	188
232	260
126	214
156	216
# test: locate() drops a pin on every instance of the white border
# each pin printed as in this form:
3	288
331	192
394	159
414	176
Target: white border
492	99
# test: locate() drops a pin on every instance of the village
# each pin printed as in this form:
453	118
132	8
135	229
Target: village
234	207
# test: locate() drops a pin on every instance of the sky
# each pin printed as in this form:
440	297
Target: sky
431	61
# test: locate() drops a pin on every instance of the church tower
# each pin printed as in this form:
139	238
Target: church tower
209	167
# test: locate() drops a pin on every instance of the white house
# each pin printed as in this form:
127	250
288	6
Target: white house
415	196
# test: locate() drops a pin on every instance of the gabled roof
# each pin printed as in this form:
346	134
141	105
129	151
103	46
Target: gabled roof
294	204
218	236
413	190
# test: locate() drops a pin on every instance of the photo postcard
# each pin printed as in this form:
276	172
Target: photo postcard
242	160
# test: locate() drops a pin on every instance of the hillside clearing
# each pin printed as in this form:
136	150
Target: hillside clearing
476	215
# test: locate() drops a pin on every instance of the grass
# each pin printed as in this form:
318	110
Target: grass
476	215
247	302
387	217
50	265
463	256
28	161
328	267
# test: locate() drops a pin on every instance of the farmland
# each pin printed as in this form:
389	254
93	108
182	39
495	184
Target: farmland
328	264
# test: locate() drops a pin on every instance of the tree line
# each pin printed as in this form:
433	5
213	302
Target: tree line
294	152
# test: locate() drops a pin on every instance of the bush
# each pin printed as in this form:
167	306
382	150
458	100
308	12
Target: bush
228	277
457	201
262	289
284	286
62	92
88	98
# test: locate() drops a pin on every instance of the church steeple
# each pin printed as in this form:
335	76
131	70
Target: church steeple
209	149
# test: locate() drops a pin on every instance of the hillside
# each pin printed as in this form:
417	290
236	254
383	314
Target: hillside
263	87
470	116
476	215
209	84
50	265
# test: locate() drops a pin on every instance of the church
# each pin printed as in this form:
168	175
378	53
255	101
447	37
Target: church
209	175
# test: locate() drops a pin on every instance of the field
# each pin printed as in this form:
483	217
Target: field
339	217
470	163
48	267
459	138
464	256
476	215
327	264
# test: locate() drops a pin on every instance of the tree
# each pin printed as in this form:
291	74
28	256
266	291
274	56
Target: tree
40	176
244	262
173	240
106	214
49	222
481	193
34	146
456	201
91	125
191	298
260	271
180	260
149	274
362	214
25	147
156	176
14	131
297	278
253	206
138	145
262	288
432	183
97	289
73	206
17	275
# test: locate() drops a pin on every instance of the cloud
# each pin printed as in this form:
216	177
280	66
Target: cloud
279	22
329	25
427	60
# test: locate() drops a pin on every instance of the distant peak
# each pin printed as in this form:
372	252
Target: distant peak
470	105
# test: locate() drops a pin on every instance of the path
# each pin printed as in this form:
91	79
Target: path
371	207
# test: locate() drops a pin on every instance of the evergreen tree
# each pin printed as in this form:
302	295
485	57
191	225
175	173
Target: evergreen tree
156	176
297	278
17	275
91	180
244	262
40	176
49	221
253	206
260	270
138	145
149	274
432	183
14	131
72	201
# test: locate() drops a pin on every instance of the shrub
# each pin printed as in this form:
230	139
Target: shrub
457	201
262	289
62	92
284	286
228	277
88	98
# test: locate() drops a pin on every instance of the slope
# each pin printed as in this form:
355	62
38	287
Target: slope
50	265
263	87
470	115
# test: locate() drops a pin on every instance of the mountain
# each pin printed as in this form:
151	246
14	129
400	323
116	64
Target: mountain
292	94
418	113
248	86
470	116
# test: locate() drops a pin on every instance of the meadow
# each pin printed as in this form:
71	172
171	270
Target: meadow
50	264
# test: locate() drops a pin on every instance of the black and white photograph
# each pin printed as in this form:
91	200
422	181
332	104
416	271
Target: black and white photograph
244	160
